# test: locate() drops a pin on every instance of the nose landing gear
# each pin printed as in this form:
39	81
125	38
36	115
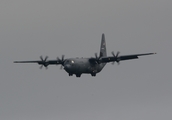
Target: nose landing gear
70	74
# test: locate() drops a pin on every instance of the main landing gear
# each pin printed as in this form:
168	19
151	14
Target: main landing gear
93	74
78	75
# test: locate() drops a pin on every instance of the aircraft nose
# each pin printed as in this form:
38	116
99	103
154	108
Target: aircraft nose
67	67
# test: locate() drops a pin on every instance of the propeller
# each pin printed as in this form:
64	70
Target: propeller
97	58
61	61
44	62
116	57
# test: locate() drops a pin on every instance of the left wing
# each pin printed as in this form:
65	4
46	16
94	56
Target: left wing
117	58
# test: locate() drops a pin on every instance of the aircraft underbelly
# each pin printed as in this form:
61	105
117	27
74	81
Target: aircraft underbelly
81	68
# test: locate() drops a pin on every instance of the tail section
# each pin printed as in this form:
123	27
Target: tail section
103	47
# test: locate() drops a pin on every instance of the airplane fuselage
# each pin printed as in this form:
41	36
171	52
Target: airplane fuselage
78	66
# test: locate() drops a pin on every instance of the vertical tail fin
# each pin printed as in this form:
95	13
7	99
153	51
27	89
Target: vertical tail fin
103	47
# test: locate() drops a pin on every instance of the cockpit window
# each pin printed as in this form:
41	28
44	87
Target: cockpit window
72	61
67	61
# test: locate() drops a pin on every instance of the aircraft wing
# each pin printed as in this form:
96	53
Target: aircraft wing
123	57
45	62
50	62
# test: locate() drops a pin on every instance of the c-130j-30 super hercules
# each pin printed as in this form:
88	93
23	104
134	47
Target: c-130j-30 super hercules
91	65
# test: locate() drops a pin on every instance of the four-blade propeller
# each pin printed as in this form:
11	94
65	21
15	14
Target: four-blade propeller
43	62
61	61
97	58
116	57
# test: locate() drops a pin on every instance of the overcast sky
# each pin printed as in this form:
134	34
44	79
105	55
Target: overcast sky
134	90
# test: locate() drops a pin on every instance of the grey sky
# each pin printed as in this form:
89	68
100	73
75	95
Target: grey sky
134	90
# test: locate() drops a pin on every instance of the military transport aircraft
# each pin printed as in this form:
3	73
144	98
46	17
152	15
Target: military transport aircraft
91	65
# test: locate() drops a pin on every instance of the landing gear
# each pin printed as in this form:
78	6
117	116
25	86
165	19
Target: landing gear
70	74
78	75
93	74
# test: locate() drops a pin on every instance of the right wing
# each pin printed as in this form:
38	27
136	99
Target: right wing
45	62
49	62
